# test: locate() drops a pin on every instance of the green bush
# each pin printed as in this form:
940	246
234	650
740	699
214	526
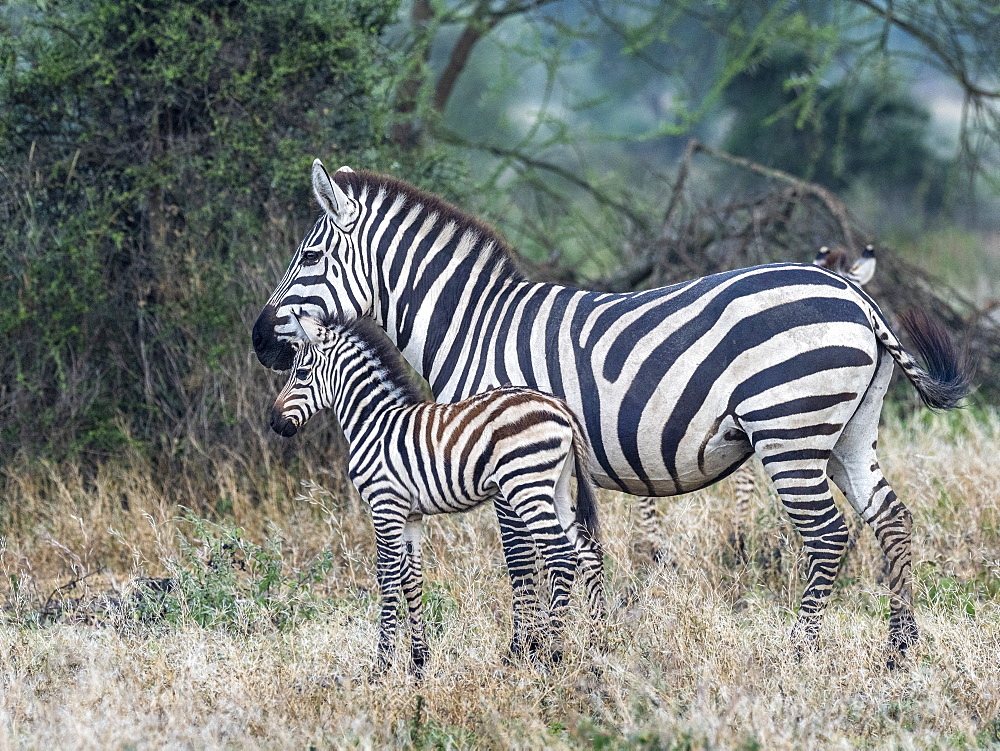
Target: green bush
151	153
222	580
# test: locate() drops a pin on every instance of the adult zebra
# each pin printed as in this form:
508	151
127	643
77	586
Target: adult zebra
676	386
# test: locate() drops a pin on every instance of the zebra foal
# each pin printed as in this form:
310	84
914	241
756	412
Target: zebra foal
409	458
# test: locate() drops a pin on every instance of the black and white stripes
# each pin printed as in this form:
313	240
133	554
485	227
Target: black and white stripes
675	387
409	458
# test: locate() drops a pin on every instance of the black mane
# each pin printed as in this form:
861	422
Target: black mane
502	254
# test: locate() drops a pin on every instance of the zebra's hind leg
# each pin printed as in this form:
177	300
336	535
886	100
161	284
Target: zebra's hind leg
854	467
800	478
649	523
413	591
520	555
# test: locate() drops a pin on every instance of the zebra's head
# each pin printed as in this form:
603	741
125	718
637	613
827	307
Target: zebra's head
309	387
325	278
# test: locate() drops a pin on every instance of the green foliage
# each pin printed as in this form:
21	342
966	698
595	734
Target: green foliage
222	580
149	152
440	607
955	594
423	732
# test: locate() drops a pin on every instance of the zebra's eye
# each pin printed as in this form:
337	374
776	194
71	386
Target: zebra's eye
311	257
301	374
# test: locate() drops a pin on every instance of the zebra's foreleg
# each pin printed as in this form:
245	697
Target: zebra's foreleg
389	518
744	485
413	591
801	482
519	554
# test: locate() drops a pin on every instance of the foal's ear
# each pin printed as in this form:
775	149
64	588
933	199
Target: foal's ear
316	332
340	207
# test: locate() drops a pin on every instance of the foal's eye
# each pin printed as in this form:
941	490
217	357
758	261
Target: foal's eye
302	374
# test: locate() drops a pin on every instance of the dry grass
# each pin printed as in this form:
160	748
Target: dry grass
697	646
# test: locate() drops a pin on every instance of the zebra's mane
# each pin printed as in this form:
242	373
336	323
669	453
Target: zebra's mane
387	360
502	255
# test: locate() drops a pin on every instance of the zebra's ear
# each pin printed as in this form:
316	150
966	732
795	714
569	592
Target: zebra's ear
335	202
345	168
315	332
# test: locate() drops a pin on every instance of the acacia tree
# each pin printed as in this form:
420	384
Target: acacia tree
825	83
693	53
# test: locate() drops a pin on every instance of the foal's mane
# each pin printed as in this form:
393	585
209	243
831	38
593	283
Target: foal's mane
503	256
388	361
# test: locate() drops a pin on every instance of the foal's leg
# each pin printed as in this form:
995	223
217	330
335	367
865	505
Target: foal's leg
533	503
519	554
413	591
590	554
389	518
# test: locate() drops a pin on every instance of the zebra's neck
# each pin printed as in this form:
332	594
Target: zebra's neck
368	376
426	257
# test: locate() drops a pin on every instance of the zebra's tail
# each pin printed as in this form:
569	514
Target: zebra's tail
586	501
945	380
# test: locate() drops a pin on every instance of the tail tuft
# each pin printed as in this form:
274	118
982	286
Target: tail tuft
947	380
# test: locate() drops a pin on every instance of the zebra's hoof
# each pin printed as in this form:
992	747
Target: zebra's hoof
804	639
522	647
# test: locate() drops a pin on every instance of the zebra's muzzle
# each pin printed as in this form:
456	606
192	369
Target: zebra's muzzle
272	352
283	426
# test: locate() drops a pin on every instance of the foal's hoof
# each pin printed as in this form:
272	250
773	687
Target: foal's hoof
902	636
377	672
804	639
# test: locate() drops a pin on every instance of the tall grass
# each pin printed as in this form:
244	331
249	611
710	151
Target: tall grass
696	649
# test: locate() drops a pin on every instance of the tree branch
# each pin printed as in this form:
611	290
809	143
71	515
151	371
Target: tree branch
948	61
833	205
555	169
406	131
479	24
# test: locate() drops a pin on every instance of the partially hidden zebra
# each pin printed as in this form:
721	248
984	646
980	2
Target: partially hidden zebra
676	387
409	458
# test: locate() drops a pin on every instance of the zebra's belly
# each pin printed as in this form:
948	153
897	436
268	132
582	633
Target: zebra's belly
724	450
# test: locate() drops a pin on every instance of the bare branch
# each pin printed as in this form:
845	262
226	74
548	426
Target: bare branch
951	62
835	207
598	195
